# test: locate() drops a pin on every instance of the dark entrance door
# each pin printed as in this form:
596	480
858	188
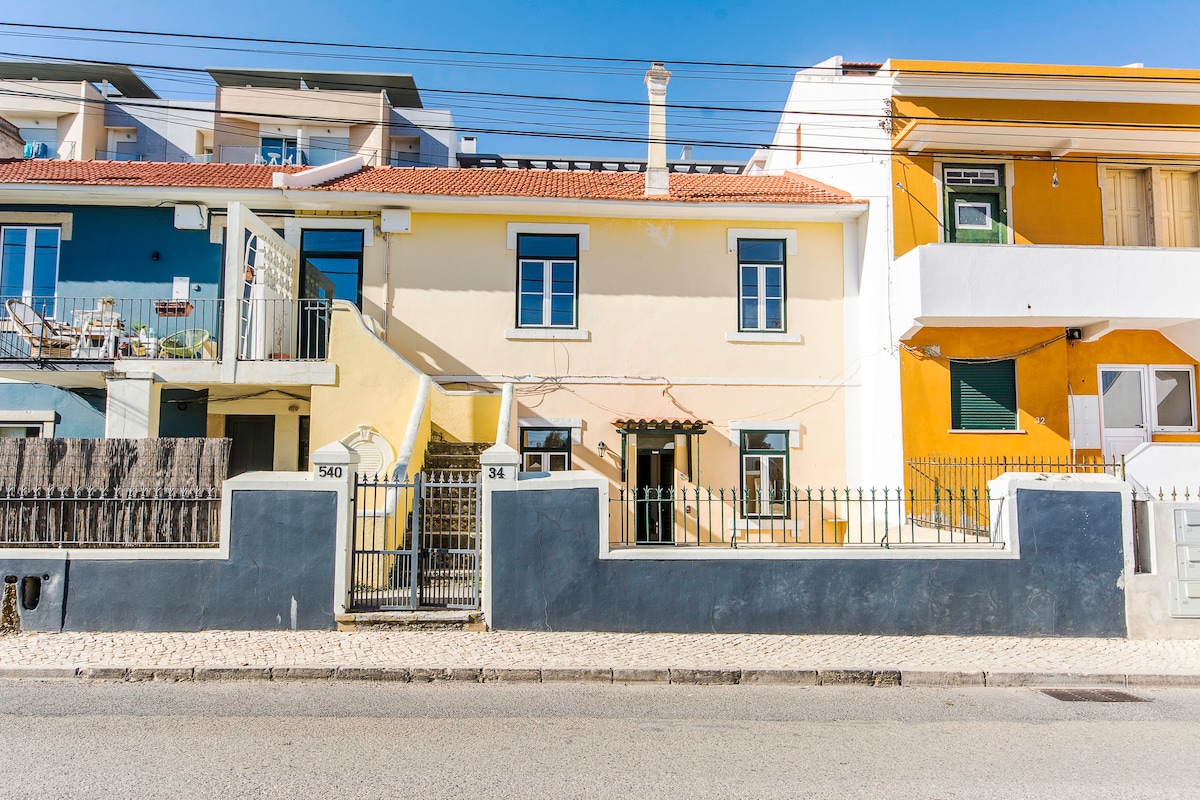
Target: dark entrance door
654	495
253	438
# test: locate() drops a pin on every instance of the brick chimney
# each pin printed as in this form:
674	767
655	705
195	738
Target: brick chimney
657	177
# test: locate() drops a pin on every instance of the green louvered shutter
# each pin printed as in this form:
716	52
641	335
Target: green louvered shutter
983	396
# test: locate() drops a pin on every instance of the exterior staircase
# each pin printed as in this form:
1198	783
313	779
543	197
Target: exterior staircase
454	460
450	511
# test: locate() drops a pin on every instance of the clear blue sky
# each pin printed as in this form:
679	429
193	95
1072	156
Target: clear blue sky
793	32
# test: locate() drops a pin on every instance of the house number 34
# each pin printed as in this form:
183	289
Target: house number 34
495	472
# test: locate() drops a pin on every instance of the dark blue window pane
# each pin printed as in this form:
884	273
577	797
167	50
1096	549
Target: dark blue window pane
760	250
562	277
332	241
749	282
332	277
750	313
771	441
45	262
12	263
562	310
278	151
531	309
530	245
774	282
532	276
546	438
774	312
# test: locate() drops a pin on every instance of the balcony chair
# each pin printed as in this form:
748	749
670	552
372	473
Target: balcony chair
184	344
46	338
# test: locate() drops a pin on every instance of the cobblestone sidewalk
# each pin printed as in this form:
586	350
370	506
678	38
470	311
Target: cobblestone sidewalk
525	650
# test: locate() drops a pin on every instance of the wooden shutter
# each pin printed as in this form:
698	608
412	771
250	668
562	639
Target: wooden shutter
1125	218
1179	212
983	396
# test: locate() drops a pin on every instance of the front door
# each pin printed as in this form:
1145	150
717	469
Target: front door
253	446
1124	409
653	496
976	217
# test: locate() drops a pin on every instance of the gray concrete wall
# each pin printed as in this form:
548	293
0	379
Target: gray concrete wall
279	575
547	574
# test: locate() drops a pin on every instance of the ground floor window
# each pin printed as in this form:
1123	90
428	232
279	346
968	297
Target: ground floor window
1174	390
983	395
545	449
764	473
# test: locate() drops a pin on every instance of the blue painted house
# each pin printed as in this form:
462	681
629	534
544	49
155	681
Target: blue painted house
125	314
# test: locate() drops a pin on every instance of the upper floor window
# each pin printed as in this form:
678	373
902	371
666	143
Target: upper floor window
1141	212
545	449
764	473
547	280
278	150
761	290
975	203
331	264
29	265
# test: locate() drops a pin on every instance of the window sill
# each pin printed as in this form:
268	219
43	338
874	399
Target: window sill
985	430
547	334
764	337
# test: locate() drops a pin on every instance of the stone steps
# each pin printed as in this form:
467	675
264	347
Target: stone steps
438	619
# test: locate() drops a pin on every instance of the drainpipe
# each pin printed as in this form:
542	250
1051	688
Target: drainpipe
657	177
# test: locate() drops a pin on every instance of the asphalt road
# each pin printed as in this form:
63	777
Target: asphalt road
344	740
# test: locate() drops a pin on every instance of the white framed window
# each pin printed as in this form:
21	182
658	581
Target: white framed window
971	176
972	216
761	285
764	473
1173	397
26	424
29	265
547	280
545	449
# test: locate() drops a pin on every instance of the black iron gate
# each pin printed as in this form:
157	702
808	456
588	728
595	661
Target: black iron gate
416	543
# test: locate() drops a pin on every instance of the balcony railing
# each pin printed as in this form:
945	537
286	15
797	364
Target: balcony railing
836	517
106	328
308	157
284	330
113	155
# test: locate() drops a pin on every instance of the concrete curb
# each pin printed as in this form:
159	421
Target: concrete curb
609	675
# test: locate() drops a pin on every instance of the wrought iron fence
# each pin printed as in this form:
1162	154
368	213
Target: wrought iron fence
107	328
73	516
285	329
931	477
416	543
821	517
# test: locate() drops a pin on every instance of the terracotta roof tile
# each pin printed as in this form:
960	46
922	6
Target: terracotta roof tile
582	185
696	188
139	173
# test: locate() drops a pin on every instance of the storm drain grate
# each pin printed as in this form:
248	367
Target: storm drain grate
1093	696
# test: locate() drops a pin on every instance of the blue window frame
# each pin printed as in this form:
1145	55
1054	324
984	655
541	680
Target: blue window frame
29	266
547	280
761	285
278	150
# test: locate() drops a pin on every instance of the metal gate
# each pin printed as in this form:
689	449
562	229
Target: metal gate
416	543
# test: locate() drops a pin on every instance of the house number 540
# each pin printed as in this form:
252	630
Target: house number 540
495	472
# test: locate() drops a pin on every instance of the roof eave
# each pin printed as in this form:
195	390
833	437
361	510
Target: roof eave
560	206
